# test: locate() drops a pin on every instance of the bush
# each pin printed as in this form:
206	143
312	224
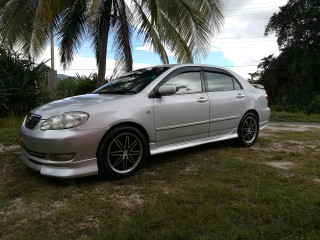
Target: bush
314	106
73	86
22	83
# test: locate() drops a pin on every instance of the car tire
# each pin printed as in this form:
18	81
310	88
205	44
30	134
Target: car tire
248	130
121	152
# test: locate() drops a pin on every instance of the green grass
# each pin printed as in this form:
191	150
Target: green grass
215	191
8	130
282	116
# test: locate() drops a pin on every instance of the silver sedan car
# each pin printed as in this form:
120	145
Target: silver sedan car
113	130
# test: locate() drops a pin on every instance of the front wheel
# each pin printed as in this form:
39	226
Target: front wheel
248	130
122	152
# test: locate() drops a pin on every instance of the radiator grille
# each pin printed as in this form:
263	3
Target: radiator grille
32	120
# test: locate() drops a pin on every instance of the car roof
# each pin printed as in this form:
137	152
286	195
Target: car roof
193	65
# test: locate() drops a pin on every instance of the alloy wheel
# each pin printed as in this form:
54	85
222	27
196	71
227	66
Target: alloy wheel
124	153
249	129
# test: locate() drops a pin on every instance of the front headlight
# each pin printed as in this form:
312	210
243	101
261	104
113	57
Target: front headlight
66	120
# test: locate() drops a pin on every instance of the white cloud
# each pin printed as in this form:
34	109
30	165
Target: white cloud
241	39
80	64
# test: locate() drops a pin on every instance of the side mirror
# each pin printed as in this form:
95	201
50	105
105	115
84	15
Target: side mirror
167	89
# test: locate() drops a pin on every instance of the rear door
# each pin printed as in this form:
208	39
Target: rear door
227	100
183	116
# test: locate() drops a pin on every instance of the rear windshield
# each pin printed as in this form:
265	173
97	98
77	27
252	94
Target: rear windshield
132	82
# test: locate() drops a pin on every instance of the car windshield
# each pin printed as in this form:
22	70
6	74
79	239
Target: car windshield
132	82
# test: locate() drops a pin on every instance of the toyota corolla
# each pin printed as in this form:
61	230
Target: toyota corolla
113	130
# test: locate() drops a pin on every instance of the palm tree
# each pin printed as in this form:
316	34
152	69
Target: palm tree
185	27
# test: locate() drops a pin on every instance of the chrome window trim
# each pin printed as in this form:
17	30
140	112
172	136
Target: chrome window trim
182	125
223	119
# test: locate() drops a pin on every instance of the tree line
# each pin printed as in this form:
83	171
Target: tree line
292	79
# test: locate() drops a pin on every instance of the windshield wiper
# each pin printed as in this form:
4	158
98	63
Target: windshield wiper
118	92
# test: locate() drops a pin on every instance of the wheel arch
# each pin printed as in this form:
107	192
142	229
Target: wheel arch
254	112
131	124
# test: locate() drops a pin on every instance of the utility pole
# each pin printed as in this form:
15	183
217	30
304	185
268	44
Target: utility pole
52	74
52	48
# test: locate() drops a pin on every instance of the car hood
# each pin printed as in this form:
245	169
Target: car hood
77	103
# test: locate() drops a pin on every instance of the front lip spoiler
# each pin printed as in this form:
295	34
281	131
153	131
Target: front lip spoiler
83	168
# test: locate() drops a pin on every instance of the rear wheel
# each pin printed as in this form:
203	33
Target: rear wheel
122	152
248	130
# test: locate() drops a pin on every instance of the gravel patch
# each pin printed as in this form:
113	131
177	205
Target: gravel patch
281	165
298	128
8	148
317	180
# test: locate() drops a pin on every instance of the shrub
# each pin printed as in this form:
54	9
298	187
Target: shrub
314	106
22	83
73	86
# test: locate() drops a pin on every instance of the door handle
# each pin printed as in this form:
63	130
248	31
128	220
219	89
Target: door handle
202	100
240	95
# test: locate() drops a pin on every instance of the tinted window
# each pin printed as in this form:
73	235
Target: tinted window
237	85
188	82
132	82
219	82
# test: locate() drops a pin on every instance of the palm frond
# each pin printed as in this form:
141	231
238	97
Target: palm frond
214	12
73	30
16	22
193	26
122	38
175	42
47	19
147	30
185	27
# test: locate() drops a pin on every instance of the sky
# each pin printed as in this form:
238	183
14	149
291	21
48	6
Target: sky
239	45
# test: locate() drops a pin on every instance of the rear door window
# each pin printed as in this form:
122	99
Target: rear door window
221	82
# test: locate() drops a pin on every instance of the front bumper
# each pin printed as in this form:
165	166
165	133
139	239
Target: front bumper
38	147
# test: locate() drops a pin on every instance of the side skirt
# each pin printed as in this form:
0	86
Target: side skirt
177	146
263	125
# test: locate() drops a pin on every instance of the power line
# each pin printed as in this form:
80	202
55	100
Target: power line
241	15
241	37
255	4
233	41
243	9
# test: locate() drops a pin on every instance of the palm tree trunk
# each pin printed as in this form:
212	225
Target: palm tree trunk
127	50
103	43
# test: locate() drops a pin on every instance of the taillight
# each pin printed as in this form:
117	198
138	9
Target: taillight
267	96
